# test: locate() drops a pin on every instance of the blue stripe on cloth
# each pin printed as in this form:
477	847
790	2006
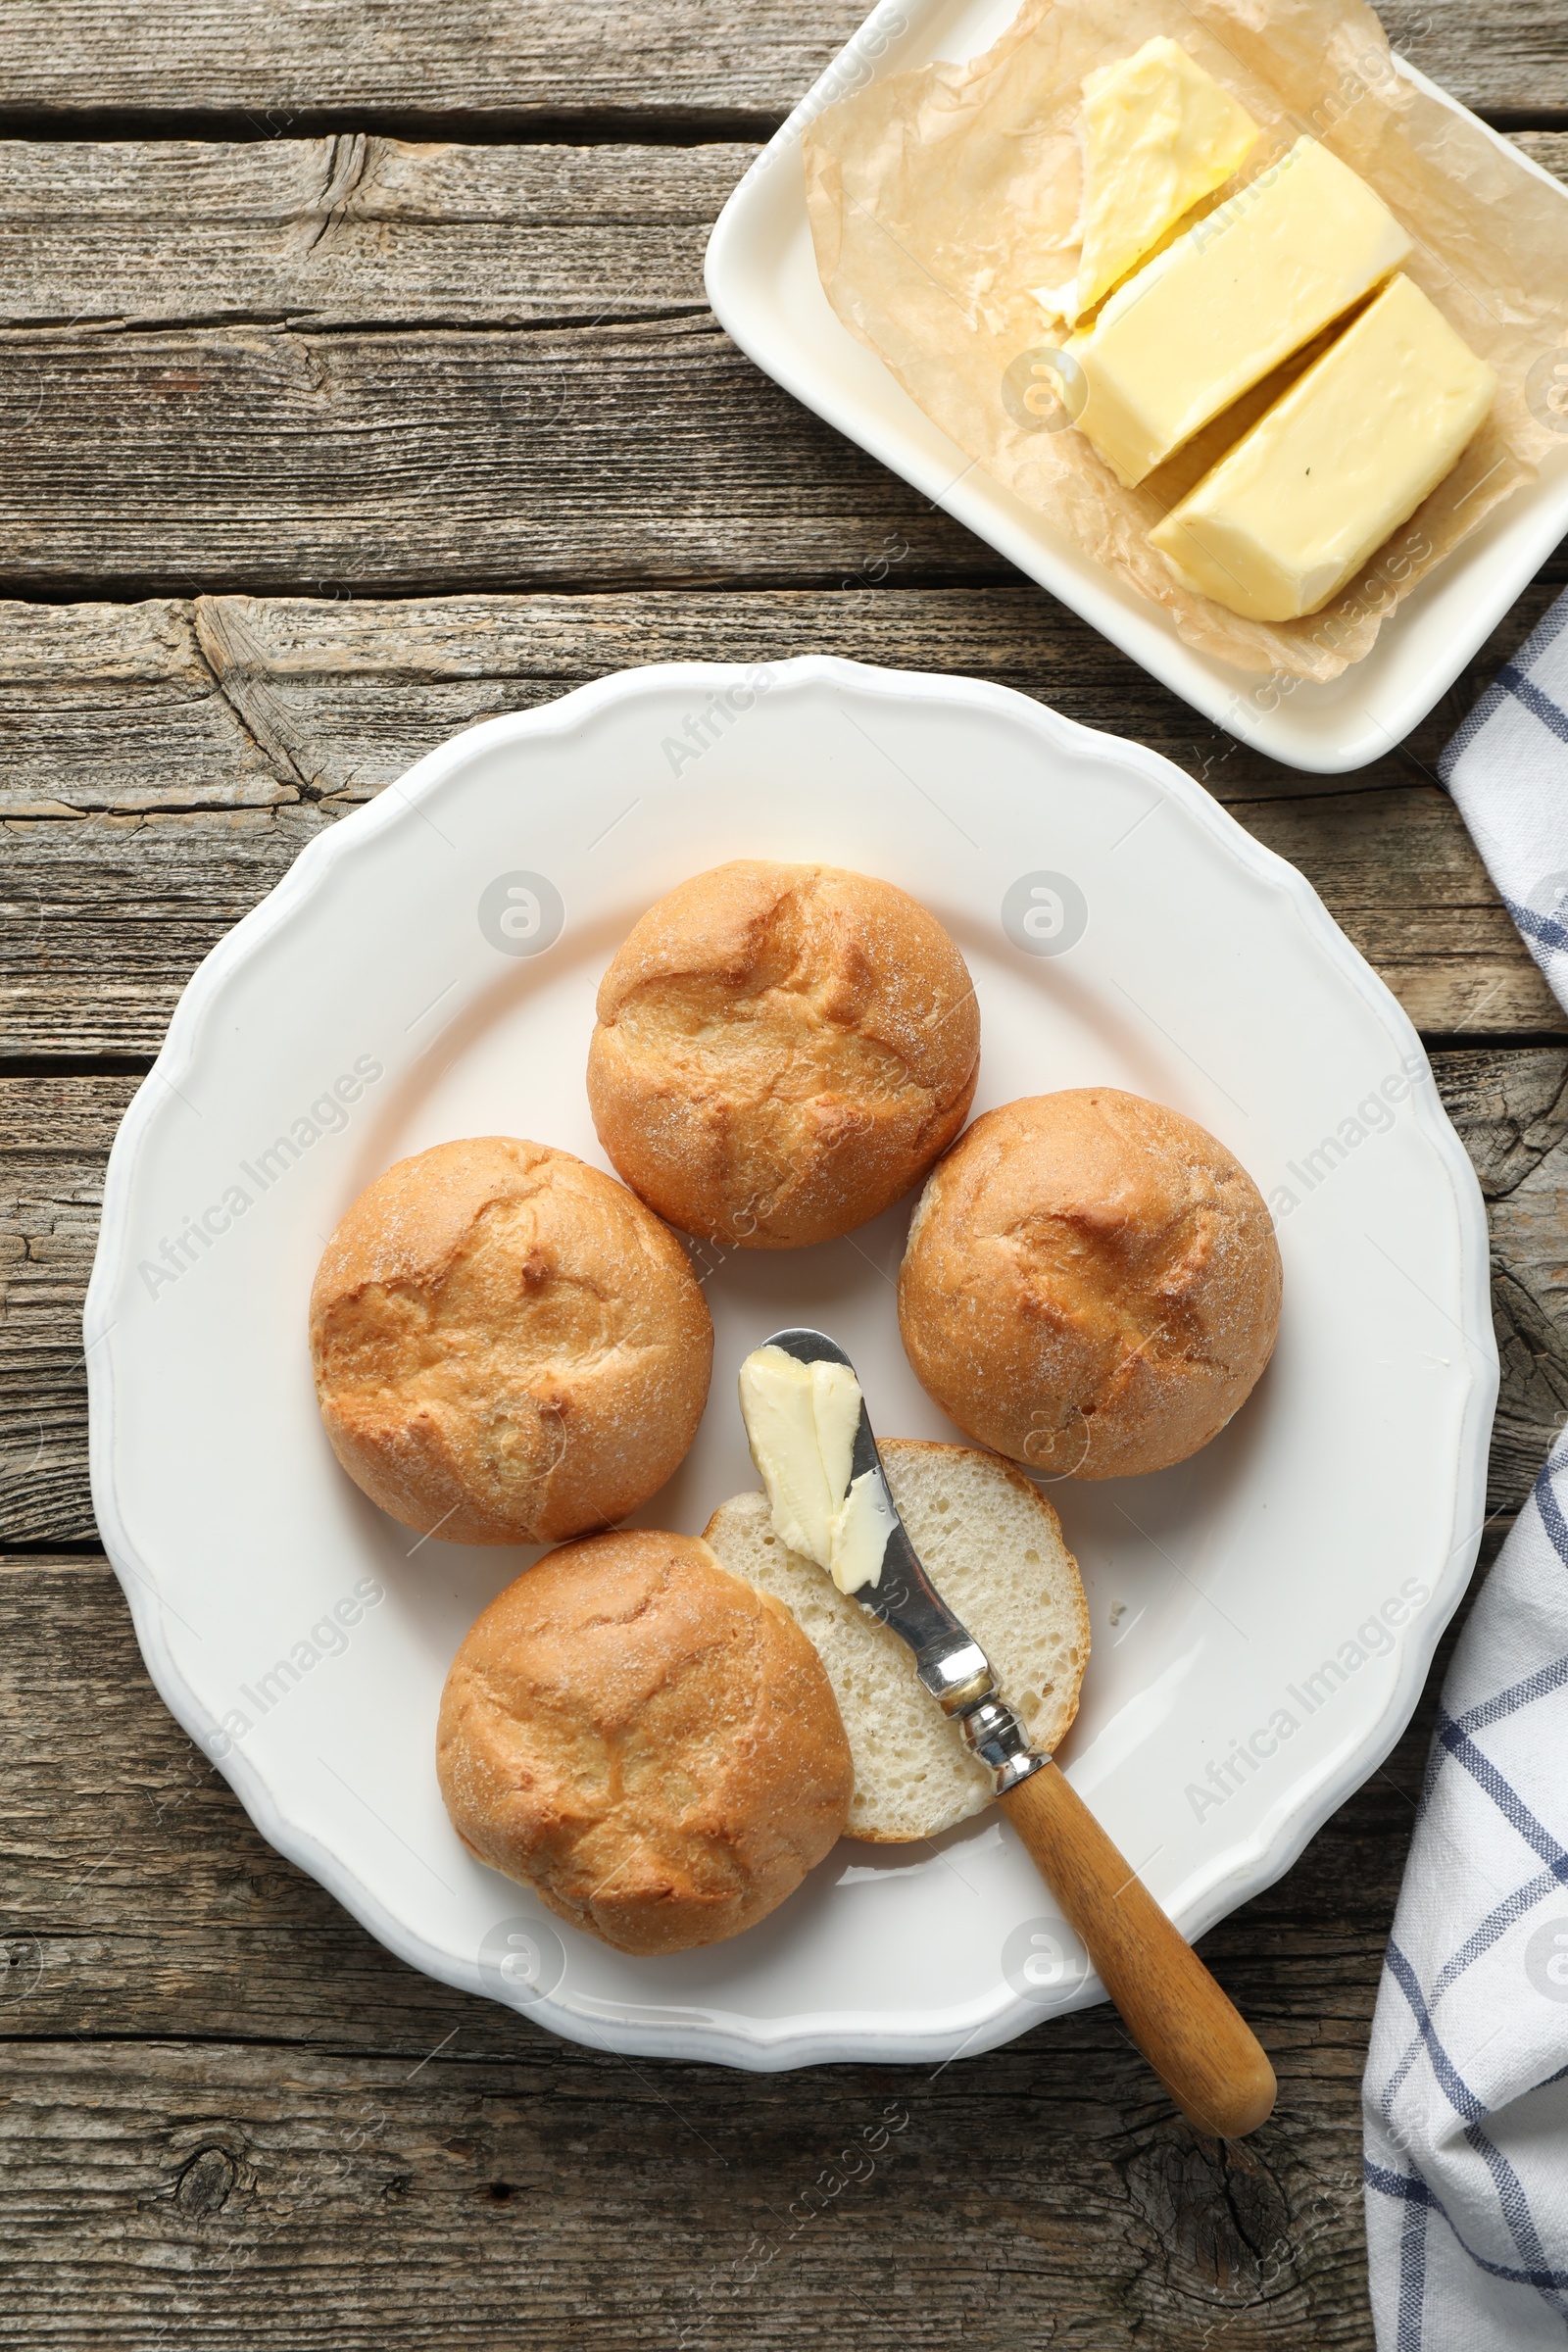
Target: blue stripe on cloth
1547	2283
1543	930
1539	705
1545	632
1413	2191
1508	1702
1408	2185
1509	1803
1418	2202
1413	2276
1418	2298
1455	2090
1498	1921
1548	630
1460	741
1436	1757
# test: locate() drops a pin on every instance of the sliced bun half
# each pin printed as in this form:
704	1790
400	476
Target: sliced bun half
992	1546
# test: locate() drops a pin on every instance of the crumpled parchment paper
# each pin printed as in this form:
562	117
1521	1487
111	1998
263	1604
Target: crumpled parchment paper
936	198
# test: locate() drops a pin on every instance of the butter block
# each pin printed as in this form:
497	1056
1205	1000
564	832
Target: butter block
1210	316
1159	135
1333	467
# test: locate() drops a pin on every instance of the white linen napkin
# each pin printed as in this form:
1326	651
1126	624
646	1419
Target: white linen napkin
1466	2092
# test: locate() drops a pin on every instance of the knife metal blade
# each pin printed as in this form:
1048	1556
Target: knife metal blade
948	1659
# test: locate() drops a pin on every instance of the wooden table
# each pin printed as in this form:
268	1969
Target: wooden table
356	383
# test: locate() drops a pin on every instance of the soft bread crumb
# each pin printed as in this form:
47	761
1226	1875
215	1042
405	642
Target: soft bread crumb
992	1546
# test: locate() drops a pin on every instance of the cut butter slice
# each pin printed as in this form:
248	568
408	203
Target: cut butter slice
1207	318
1159	135
1333	467
802	1422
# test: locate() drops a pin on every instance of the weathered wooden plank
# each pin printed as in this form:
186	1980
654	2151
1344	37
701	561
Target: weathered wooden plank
113	708
374	462
1402	878
671	60
1511	1107
616	2206
55	1136
279	2100
361	229
674	60
406	370
341	231
161	767
1548	148
1512	1112
1507	57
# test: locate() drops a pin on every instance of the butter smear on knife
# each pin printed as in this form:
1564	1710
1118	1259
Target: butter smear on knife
801	1421
1159	135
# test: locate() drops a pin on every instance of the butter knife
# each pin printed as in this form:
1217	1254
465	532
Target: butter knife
1195	2041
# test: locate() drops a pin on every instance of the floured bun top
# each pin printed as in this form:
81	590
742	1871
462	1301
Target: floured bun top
781	1052
509	1348
1091	1285
645	1740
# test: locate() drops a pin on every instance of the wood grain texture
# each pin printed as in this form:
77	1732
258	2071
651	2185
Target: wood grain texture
514	59
361	230
1510	1107
165	763
353	230
311	355
675	60
230	2119
356	367
371	462
1190	2031
1507	57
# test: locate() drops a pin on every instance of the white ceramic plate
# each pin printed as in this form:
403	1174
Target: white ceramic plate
764	289
303	1638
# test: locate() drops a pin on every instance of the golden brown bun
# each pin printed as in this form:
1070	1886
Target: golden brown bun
647	1741
1092	1284
782	1050
509	1349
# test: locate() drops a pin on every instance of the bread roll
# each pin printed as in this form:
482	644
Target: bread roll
1091	1284
651	1744
509	1349
782	1050
992	1548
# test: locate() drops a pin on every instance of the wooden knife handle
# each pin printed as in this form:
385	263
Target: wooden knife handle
1201	2048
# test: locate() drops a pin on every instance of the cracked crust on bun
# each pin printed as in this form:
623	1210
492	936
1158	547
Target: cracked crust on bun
508	1346
781	1053
1091	1285
651	1744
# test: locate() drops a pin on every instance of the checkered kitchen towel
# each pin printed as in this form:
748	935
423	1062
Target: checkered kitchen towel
1466	2090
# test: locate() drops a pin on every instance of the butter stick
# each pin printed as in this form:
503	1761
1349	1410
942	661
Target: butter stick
1209	316
1333	467
1159	135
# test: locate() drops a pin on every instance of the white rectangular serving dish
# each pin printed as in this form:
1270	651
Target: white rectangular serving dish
764	289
